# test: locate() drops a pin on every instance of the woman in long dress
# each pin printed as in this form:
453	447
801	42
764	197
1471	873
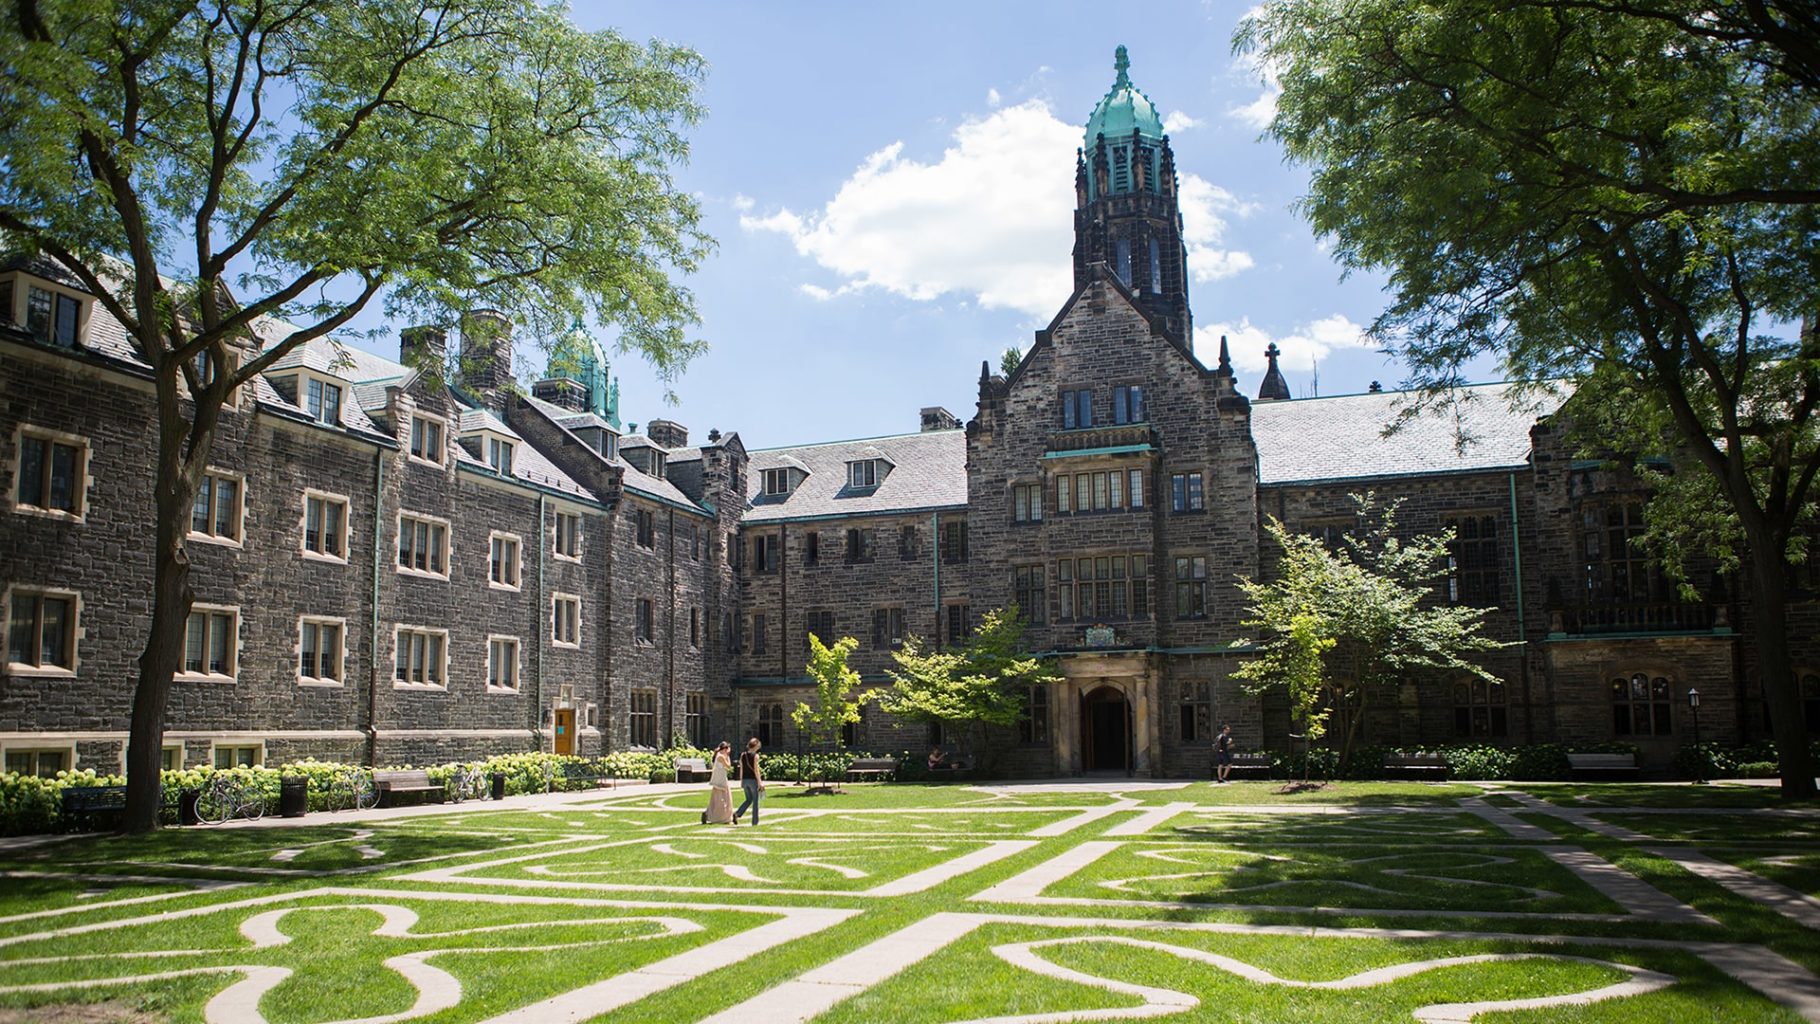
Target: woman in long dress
720	791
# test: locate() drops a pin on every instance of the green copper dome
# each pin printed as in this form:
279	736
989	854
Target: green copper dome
1123	109
577	358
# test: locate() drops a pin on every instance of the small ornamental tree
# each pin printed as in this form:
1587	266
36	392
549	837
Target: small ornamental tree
835	706
980	684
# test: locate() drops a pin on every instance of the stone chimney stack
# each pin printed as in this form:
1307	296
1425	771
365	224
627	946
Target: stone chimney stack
425	349
667	434
937	418
562	391
486	351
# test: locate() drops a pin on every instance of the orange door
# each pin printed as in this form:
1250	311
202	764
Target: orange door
565	730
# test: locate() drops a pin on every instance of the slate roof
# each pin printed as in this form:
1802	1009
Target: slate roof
1341	438
929	472
635	479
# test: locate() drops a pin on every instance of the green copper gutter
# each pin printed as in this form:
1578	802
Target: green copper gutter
1120	449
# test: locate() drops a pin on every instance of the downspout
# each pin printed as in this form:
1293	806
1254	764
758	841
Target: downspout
543	601
670	635
783	601
1516	559
935	562
372	729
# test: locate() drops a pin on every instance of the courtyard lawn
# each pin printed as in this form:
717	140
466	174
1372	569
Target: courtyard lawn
1361	902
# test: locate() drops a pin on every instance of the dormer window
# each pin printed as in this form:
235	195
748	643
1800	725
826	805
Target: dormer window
52	315
612	445
322	401
659	463
777	481
499	455
863	474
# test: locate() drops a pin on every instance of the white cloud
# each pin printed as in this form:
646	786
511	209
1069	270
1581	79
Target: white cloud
815	291
742	202
991	219
1178	121
1260	111
993	99
1301	348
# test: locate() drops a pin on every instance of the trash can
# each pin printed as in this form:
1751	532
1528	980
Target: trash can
499	785
186	807
293	796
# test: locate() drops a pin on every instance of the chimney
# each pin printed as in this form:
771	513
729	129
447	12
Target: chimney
425	349
937	418
486	351
667	434
562	391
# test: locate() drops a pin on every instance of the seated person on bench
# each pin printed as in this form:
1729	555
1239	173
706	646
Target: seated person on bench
937	759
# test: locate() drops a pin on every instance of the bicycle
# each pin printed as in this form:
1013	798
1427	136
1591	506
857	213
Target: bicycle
352	790
468	784
229	796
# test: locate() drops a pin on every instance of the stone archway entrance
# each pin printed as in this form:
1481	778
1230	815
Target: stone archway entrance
1105	731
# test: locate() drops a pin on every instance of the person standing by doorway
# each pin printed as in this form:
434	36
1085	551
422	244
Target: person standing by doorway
1222	754
750	781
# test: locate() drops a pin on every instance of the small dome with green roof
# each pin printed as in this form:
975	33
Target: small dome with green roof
577	358
1124	109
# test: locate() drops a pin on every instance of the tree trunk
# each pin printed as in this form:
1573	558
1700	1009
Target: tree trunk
1769	621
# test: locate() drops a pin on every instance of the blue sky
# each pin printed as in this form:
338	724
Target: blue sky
891	187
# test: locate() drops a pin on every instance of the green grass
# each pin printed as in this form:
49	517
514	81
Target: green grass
1719	827
1352	794
1618	794
1314	828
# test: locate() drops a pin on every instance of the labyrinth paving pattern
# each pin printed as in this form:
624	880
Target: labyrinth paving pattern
1017	903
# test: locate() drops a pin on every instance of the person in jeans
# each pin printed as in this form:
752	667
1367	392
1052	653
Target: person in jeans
750	781
1222	753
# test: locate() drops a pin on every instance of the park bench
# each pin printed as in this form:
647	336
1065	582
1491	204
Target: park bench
408	781
691	769
587	775
92	806
951	769
1603	766
1416	766
880	768
1246	766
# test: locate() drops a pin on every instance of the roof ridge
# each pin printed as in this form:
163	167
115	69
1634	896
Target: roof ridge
854	440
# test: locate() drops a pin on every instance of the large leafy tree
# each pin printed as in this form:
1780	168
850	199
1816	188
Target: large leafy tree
1616	192
980	683
835	706
250	174
1346	626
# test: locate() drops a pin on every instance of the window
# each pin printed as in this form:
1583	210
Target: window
568	536
41	631
565	620
323	400
777	481
1156	265
1190	588
51	317
1077	409
695	719
954	542
420	657
1642	706
765	553
863	473
820	624
43	763
1196	713
1128	404
728	637
502	663
660	464
960	623
859	546
771	725
1617	569
1104	587
1479	709
887	628
1027	591
1134	481
319	650
1185	492
499	455
758	633
1122	253
1333	536
426	439
216	512
644	627
211	639
325	526
1033	724
694	542
1090	492
170	759
239	756
1472	562
53	472
695	627
643	719
1027	503
1064	494
646	522
503	561
906	543
850	731
423	545
812	548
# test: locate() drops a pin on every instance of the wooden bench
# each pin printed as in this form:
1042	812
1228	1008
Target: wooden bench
413	781
1248	765
881	768
1603	766
692	769
93	806
951	769
1416	766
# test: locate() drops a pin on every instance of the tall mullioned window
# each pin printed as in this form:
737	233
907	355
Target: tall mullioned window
325	521
420	657
1195	714
1479	709
1077	408
695	719
323	400
1027	503
51	472
423	545
1472	561
1642	705
216	510
1128	404
319	651
211	639
1103	587
1190	588
1027	591
642	721
41	630
426	439
1033	724
1186	493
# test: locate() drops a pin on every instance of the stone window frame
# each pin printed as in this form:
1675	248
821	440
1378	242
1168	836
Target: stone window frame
644	622
299	381
1193	480
1651	673
448	545
1130	404
18	307
84	457
341	654
954	541
769	727
22	669
515	573
781	477
217	746
166	761
232	675
1036	584
819	617
696	720
767	553
517	663
1189	584
1487	580
641	720
558	598
963	611
303	526
442	451
1026	503
890	627
695	627
759	631
399	633
645	527
237	541
863	475
36	748
1469	694
1034	728
1194	712
556	535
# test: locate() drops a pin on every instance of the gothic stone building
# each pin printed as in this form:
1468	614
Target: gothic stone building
399	566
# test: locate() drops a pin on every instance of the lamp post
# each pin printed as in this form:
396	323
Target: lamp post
1693	705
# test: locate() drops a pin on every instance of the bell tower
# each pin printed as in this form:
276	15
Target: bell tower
1126	212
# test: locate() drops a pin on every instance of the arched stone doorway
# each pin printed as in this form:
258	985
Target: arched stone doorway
1105	730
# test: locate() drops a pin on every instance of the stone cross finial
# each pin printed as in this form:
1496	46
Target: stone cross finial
1271	354
1121	63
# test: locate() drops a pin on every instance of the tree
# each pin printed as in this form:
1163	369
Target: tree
313	155
1618	193
983	682
1008	360
1346	626
835	706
